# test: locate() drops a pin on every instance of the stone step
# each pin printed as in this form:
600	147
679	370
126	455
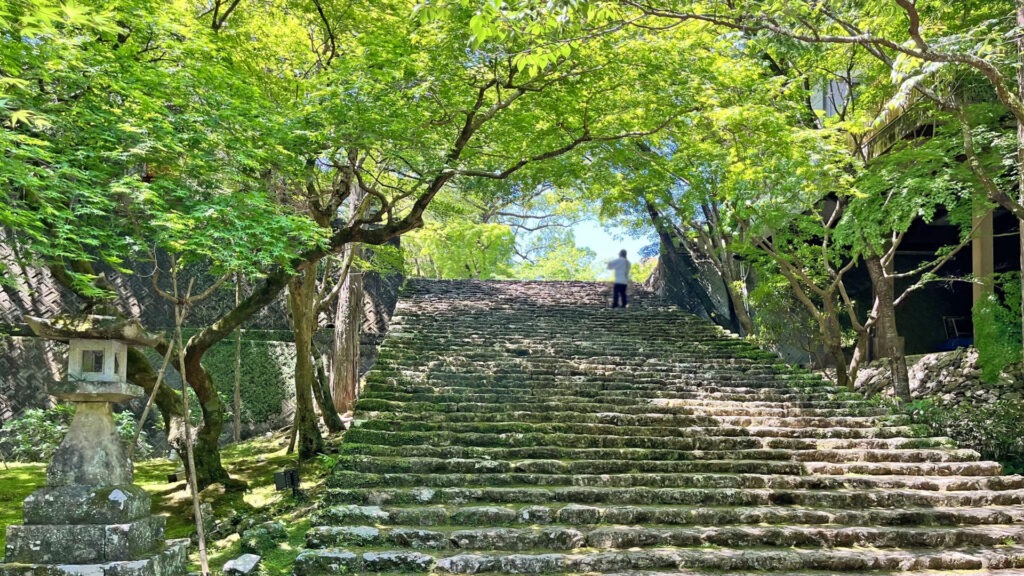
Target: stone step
575	515
636	389
685	424
499	384
735	389
862	498
334	560
364	435
856	427
628	537
708	407
342	478
634	454
526	428
997	572
421	465
575	405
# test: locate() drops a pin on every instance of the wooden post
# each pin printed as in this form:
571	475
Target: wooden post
982	254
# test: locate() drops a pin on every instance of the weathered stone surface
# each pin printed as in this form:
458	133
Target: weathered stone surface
244	565
331	561
169	560
484	514
83	543
397	562
350	514
579	514
467	564
91	453
418	539
81	391
335	536
535	432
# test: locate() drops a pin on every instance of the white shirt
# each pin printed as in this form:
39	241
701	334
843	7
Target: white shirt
621	268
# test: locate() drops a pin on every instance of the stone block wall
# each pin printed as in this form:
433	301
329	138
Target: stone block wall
946	377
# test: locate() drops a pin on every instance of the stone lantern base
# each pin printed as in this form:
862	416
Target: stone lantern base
91	530
90	519
171	560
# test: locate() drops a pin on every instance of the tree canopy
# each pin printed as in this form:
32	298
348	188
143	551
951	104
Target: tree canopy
775	144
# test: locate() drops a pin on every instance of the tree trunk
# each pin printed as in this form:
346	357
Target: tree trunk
209	468
832	337
887	331
141	373
237	396
322	395
739	306
302	303
347	324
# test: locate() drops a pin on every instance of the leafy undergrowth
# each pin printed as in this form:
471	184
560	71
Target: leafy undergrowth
254	461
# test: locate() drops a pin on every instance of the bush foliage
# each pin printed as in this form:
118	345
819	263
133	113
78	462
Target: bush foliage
997	329
995	430
36	434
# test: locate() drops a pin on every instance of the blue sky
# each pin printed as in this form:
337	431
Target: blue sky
607	242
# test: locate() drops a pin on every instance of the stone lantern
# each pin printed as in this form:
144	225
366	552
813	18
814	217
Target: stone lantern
90	519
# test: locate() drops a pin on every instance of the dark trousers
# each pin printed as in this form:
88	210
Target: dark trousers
617	293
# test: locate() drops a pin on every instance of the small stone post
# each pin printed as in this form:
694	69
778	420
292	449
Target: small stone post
89	519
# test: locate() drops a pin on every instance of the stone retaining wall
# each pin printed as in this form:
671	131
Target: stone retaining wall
945	377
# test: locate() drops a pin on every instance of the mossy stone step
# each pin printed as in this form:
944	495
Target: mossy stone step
724	408
526	428
402	375
854	427
633	454
423	465
636	388
341	478
626	537
684	424
364	435
864	498
334	560
540	405
575	515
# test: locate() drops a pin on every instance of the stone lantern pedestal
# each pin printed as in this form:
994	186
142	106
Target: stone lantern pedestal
90	519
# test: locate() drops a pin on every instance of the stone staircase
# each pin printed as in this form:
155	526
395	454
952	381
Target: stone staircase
528	428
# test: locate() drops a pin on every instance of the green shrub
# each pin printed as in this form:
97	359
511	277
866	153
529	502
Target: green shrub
264	537
33	436
36	434
995	430
125	422
997	331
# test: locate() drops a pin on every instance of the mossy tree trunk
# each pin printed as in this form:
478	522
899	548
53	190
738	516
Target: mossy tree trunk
887	332
324	401
302	302
209	468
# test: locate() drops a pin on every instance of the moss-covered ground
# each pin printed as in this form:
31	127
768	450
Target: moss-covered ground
254	461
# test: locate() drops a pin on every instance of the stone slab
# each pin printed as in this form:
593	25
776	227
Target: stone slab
83	543
171	560
85	391
77	504
244	565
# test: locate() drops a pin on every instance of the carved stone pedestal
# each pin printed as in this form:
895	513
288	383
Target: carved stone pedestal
89	519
